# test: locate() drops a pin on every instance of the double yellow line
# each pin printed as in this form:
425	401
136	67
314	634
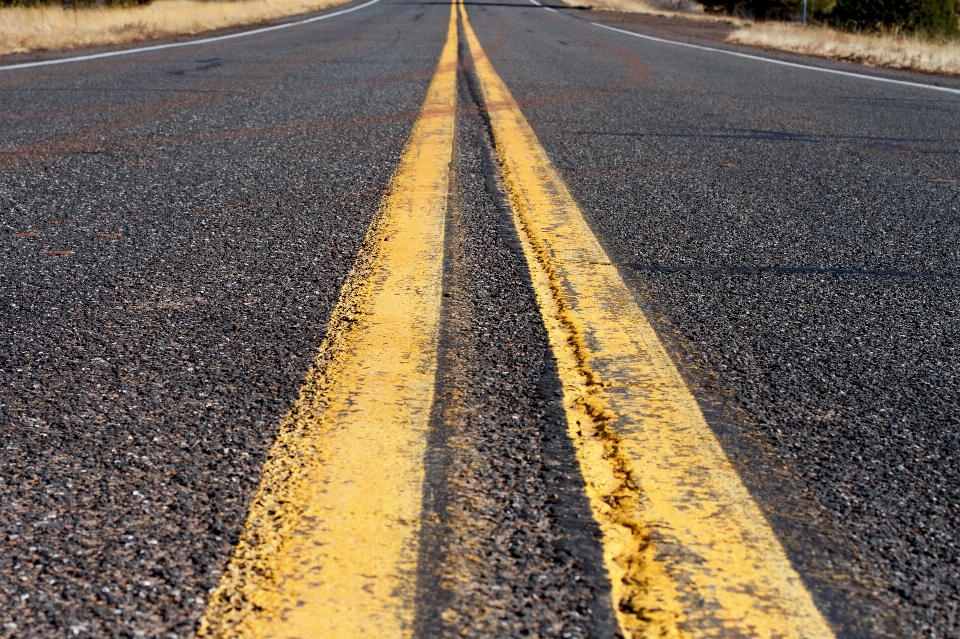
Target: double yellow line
331	543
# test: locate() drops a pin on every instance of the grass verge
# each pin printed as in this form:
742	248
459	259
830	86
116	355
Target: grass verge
25	29
895	51
890	50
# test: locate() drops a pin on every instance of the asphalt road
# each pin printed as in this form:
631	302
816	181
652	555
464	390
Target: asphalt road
782	229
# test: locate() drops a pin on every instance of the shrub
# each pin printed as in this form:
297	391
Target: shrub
771	9
935	17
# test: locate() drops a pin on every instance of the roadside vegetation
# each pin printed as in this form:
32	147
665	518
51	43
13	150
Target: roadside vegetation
919	35
54	26
932	18
891	49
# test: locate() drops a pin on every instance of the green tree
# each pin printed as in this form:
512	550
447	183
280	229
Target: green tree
935	17
771	9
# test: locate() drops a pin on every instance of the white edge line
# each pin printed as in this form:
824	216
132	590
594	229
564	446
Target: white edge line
849	74
158	47
543	7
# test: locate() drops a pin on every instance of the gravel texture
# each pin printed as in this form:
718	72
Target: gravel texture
848	383
212	212
512	547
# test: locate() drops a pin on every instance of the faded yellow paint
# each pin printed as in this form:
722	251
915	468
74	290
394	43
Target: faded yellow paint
688	552
330	546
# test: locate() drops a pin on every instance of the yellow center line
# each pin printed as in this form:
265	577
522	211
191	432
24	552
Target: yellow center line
688	552
330	545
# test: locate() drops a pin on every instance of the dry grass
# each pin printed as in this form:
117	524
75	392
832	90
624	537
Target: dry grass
35	28
891	50
689	9
896	51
